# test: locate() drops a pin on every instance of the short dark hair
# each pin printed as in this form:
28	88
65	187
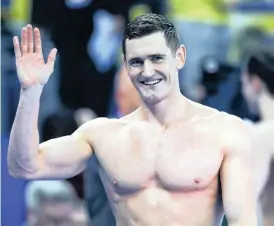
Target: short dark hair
261	64
151	23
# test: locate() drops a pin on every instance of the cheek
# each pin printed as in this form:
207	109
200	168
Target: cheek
133	73
165	69
170	67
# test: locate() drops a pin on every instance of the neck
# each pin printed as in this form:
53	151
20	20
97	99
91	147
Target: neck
163	112
266	106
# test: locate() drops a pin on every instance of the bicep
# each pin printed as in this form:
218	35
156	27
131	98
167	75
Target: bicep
62	157
239	197
236	185
238	188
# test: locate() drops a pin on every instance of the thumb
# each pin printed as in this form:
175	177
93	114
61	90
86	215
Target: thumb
51	58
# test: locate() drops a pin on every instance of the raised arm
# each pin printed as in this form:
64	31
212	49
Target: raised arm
58	158
239	197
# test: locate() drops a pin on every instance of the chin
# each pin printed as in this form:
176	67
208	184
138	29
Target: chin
154	96
153	99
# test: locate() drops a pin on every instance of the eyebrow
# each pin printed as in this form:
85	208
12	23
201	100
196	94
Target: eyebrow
147	56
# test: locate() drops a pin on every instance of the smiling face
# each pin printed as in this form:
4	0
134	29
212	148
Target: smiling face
152	67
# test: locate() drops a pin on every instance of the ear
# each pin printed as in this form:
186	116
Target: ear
257	83
180	57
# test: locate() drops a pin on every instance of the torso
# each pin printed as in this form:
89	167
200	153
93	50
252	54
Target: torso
162	177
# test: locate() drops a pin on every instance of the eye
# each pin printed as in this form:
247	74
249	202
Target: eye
157	59
136	63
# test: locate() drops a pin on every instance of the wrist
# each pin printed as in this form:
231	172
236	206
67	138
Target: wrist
32	91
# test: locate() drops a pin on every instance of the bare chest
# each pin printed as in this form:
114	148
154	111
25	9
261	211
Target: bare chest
176	159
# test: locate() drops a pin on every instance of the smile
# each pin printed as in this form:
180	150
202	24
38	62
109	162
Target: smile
152	82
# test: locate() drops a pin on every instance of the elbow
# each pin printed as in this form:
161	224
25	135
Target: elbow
21	174
16	174
17	171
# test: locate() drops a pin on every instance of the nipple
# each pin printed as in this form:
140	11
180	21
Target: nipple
197	181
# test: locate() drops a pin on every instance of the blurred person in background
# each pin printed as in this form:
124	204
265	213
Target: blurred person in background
52	203
253	17
203	28
258	91
80	215
126	96
221	81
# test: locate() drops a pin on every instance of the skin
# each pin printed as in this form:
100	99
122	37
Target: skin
261	102
161	164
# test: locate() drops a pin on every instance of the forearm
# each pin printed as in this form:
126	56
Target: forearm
24	136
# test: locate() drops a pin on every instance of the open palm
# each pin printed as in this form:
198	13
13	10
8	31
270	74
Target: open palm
31	68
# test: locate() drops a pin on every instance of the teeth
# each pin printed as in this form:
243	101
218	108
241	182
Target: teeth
152	82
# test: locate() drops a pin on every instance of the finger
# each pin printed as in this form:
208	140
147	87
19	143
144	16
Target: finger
30	38
51	58
17	50
24	41
37	41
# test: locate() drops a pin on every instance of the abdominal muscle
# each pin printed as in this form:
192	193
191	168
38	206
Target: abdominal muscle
158	207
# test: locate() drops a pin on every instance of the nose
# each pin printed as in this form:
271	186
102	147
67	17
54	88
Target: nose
148	69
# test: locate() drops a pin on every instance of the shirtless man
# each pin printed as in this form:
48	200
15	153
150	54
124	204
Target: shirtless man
258	90
166	163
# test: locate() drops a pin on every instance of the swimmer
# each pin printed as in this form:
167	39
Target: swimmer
170	162
258	91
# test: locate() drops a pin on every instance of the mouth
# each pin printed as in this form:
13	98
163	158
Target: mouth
151	82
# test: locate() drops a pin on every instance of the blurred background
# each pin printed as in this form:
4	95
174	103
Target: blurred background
90	81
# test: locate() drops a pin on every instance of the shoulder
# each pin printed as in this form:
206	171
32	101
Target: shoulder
211	116
231	131
236	135
97	123
100	126
235	125
224	120
199	112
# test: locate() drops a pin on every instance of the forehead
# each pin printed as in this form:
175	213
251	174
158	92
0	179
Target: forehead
150	44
